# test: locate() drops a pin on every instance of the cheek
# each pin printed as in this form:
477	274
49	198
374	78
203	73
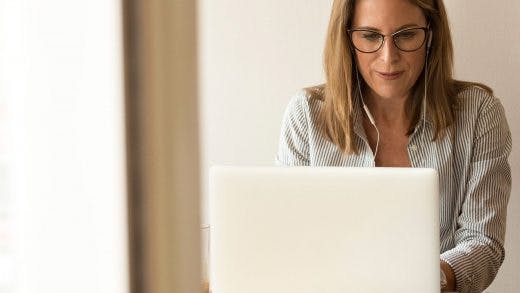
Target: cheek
363	62
416	64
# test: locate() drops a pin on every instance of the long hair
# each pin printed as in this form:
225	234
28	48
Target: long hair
340	90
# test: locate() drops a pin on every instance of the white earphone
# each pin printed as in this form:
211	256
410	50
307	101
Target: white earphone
369	115
429	44
372	121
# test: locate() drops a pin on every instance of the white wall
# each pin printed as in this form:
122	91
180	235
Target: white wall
61	76
255	54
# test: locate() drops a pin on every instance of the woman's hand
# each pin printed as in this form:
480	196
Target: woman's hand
450	277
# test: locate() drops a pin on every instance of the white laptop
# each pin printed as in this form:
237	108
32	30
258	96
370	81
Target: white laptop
326	230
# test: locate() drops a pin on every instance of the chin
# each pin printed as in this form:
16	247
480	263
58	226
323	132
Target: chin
390	94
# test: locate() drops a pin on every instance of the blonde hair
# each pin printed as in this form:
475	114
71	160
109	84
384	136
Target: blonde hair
339	91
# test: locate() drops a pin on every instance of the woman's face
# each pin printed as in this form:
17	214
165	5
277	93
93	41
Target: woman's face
389	72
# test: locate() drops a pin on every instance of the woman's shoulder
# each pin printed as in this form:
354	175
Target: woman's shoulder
478	108
305	101
476	94
476	98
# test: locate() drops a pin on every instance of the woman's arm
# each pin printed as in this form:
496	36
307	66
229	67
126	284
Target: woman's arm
293	148
479	239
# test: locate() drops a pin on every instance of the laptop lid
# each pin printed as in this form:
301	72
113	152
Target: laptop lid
301	229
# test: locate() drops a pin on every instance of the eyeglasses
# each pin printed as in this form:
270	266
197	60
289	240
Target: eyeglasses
407	40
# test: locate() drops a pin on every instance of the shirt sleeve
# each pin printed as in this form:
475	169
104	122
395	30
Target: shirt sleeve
293	147
479	250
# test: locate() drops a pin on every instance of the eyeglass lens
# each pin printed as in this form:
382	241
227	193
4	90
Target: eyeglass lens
406	40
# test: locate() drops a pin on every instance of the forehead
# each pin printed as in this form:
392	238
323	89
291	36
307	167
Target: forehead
387	15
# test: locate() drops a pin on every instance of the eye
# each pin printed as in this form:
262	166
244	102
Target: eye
370	36
406	35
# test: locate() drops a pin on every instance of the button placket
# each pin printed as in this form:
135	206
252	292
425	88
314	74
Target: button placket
413	153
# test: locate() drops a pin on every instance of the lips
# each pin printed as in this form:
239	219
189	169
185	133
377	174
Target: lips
390	75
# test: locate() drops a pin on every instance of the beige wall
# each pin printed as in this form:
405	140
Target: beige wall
255	54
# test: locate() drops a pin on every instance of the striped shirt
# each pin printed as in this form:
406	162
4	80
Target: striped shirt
472	162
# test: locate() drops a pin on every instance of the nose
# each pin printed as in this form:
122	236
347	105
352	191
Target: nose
389	53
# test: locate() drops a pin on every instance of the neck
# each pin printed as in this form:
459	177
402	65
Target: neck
388	111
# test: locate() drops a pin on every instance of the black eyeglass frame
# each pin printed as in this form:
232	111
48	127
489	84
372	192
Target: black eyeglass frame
425	29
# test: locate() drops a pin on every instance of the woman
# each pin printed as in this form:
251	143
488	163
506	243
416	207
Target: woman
390	100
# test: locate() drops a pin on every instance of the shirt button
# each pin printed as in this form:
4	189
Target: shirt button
413	147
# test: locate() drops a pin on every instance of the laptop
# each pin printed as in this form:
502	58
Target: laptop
327	230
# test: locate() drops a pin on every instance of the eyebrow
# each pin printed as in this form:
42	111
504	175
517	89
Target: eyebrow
398	29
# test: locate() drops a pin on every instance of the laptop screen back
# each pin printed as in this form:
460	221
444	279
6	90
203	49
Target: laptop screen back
301	229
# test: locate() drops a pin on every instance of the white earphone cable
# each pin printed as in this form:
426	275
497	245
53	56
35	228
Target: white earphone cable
424	101
370	118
